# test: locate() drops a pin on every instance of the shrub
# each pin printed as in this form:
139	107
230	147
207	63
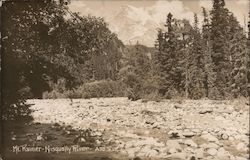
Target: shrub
96	89
102	88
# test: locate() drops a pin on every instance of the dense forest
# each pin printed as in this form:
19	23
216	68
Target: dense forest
50	52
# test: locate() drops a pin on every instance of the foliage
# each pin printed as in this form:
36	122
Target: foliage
169	61
215	57
96	89
102	88
196	65
37	51
26	55
135	69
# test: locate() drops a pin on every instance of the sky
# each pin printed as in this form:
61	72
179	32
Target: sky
138	20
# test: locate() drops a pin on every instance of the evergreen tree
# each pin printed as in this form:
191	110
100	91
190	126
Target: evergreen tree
210	74
196	64
220	53
237	49
168	67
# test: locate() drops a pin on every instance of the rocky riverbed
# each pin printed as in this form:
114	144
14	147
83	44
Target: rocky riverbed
170	129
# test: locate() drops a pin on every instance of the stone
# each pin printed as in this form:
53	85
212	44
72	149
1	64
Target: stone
193	158
231	139
199	153
240	158
190	143
222	154
131	153
207	110
137	158
81	139
241	147
149	152
210	145
188	134
189	150
39	137
196	130
174	144
180	156
172	150
210	138
212	151
237	137
224	136
177	106
98	142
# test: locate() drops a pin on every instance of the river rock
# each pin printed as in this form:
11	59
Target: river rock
180	156
240	158
222	154
172	150
191	143
207	110
210	145
224	136
174	144
210	138
188	134
199	153
241	147
212	151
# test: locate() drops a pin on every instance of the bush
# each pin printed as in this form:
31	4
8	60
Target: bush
96	89
102	88
54	94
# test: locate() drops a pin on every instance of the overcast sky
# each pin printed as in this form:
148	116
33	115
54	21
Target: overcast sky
153	10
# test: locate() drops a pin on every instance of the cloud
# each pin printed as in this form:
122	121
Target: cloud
208	4
77	6
162	8
141	23
242	2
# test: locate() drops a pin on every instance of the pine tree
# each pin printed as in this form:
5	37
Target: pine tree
196	64
167	59
210	75
186	31
237	49
220	53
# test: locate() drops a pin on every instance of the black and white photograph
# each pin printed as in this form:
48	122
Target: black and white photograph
125	79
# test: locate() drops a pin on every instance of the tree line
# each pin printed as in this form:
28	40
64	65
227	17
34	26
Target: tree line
208	62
